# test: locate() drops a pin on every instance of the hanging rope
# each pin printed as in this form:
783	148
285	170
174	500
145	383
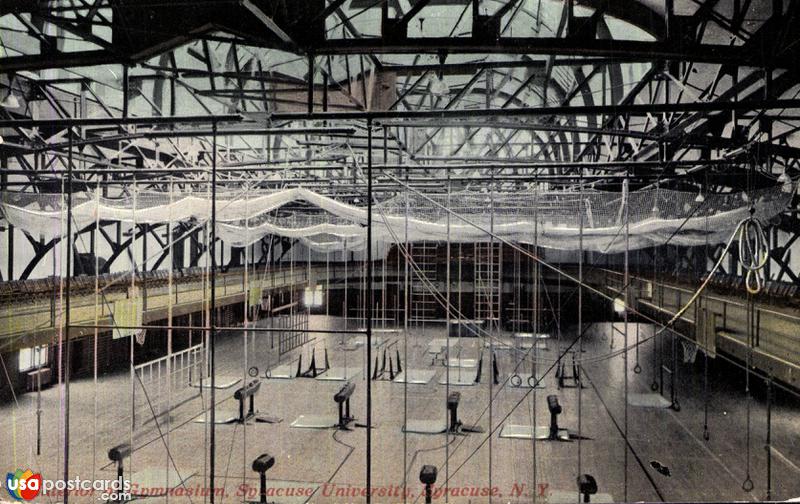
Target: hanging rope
534	368
406	306
706	434
637	368
580	323
246	325
747	484
753	253
656	348
169	331
133	375
97	307
447	334
626	283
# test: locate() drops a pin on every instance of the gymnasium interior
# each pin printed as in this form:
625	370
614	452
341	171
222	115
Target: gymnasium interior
399	251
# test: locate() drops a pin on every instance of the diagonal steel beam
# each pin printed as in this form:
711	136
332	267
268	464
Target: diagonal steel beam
327	11
453	101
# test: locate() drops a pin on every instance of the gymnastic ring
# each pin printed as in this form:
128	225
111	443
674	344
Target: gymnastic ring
748	485
706	435
253	371
515	380
654	386
532	385
637	369
676	405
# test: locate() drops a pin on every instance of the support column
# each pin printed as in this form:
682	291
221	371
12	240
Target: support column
368	315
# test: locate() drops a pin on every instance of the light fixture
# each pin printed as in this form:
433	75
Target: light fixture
784	178
619	306
700	198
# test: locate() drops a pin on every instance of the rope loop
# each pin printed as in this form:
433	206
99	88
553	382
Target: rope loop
753	253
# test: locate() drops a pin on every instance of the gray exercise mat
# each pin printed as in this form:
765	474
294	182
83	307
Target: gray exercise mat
438	345
154	481
361	340
425	426
339	374
572	496
462	363
499	345
315	422
385	330
522	345
648	400
221	382
516	346
465	379
283	372
516	431
220	418
226	417
466	328
530	335
415	376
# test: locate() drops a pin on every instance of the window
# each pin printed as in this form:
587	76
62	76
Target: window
30	358
312	298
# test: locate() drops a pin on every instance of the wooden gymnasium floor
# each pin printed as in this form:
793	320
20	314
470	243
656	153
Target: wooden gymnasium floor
331	463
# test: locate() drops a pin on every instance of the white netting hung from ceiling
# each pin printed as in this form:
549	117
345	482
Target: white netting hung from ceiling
559	218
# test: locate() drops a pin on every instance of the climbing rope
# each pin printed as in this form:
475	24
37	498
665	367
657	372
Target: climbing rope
656	348
747	484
